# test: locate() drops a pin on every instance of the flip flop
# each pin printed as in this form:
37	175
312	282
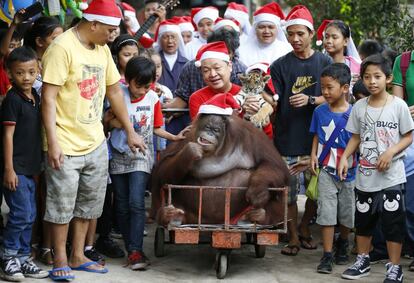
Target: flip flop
85	267
61	278
293	250
306	243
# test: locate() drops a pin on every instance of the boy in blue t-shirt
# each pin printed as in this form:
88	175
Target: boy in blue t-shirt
336	199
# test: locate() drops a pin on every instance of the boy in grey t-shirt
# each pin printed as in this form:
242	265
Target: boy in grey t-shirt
381	125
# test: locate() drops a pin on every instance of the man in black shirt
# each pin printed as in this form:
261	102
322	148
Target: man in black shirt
296	80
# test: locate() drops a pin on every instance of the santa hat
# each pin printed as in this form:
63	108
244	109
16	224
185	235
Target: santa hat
220	22
213	50
238	12
269	13
321	31
265	69
184	23
103	11
219	104
299	15
197	14
146	41
130	12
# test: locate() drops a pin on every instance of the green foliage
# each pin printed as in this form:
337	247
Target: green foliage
387	21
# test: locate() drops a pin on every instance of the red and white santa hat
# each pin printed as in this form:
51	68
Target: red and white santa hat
265	69
219	104
220	22
130	12
269	13
197	14
299	15
238	12
184	23
321	31
213	50
103	11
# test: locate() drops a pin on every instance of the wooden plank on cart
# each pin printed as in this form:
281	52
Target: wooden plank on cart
267	238
226	240
186	236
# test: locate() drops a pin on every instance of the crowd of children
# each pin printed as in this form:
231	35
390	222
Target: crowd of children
359	132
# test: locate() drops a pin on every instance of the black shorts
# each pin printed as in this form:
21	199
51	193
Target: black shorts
387	205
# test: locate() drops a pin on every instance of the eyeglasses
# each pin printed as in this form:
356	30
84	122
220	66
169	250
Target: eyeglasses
167	37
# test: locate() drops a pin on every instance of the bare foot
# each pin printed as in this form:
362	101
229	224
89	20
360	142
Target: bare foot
76	262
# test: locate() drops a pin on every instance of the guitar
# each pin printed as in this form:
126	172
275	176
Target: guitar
168	4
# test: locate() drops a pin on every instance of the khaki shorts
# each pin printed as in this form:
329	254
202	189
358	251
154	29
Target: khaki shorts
294	181
336	201
78	188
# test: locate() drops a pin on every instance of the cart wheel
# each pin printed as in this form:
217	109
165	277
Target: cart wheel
159	242
221	265
260	250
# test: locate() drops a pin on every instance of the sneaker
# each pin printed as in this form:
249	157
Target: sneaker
325	265
11	270
116	234
109	248
30	269
377	257
341	252
93	255
394	273
137	260
359	269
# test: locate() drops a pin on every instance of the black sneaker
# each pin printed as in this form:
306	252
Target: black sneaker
11	270
341	252
93	255
359	269
109	248
394	273
325	265
377	257
30	269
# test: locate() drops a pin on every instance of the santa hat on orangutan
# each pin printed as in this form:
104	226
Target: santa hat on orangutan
213	50
219	104
103	11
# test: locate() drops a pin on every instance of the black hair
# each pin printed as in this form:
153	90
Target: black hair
75	21
390	54
140	69
22	54
119	42
16	36
359	88
340	72
229	36
369	47
42	27
378	60
150	1
343	29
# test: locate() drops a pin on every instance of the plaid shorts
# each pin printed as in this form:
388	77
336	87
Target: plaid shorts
78	188
294	181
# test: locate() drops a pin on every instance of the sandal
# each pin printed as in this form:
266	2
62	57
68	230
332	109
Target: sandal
46	256
290	250
306	243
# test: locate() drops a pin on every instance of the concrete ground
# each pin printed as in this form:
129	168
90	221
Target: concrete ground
191	263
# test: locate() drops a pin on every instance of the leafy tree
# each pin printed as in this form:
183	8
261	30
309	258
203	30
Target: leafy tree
387	21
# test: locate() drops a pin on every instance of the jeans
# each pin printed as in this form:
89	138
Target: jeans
129	191
18	231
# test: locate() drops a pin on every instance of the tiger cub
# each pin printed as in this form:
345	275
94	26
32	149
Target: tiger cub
253	84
